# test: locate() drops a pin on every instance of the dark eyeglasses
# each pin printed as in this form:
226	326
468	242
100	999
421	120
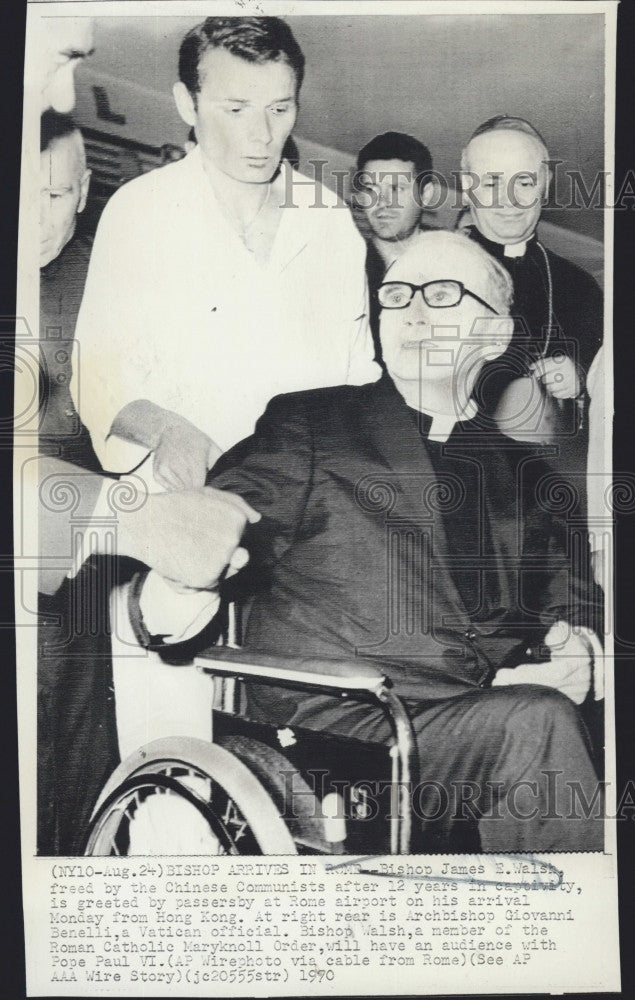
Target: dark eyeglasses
441	294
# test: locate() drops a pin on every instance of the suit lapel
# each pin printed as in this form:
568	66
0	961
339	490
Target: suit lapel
396	437
411	475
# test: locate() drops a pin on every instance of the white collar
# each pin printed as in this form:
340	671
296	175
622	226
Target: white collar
515	249
444	423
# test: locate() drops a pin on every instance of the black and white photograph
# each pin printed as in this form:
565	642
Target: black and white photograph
314	526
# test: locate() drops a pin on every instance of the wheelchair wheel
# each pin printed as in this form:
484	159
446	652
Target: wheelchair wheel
184	796
293	797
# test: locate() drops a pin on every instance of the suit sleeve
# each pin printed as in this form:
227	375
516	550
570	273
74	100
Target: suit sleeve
591	321
273	471
558	586
581	311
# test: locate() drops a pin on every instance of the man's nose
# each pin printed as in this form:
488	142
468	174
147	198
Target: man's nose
45	211
386	197
417	311
505	194
261	129
62	89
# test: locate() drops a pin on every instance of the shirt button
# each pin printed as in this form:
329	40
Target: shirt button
470	635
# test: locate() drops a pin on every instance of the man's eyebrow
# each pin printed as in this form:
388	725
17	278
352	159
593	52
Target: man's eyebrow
77	53
243	100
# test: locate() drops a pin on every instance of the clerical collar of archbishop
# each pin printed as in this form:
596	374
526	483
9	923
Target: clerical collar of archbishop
515	249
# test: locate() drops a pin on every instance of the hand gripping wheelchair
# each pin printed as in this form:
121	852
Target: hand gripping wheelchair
258	789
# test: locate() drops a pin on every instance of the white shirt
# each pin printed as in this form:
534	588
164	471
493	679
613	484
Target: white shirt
178	311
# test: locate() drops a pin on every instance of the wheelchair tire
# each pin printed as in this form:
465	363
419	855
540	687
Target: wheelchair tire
303	816
240	815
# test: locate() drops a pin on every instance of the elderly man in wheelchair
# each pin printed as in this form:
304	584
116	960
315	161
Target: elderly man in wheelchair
419	636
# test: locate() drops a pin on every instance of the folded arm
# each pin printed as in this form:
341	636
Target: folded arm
183	454
269	473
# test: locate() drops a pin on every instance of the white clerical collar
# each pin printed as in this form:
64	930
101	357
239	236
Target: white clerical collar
444	423
515	249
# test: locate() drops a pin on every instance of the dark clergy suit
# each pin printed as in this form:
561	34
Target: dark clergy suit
77	739
76	734
578	315
576	331
438	561
61	432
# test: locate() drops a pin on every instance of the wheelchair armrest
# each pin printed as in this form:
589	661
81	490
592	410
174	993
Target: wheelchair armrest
341	674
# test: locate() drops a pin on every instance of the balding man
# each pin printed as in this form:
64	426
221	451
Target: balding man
64	257
394	527
557	306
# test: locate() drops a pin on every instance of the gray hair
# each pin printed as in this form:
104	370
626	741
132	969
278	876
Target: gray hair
504	123
54	127
499	280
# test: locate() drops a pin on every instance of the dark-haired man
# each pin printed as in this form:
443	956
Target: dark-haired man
395	186
77	743
206	295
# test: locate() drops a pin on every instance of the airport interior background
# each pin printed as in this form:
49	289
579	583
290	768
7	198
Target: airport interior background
436	77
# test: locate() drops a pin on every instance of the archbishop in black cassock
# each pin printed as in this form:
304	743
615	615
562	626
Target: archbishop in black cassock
557	306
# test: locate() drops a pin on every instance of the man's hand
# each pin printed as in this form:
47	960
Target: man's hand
189	536
569	669
183	456
559	375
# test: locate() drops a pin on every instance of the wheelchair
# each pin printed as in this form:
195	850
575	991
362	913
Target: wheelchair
258	789
262	789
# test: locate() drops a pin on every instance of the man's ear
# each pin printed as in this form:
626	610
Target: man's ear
427	193
184	103
84	184
466	178
547	175
468	183
499	334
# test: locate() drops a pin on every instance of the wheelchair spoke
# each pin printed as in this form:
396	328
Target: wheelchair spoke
114	850
206	811
233	817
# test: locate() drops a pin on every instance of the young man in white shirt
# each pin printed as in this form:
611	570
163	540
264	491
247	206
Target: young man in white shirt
222	279
215	283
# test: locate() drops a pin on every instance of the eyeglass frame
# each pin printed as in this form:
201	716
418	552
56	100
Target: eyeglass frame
437	281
